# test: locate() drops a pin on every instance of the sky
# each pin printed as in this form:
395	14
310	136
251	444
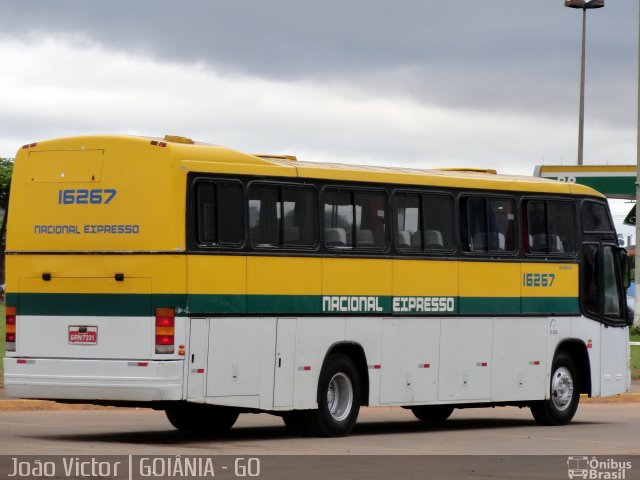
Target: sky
415	83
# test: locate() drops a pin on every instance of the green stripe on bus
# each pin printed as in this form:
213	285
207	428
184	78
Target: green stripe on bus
142	305
489	305
93	304
284	304
551	305
205	303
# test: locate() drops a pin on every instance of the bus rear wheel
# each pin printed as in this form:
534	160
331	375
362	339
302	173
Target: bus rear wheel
564	393
202	418
432	414
339	395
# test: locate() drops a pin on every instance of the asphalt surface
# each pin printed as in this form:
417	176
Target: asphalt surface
598	428
387	442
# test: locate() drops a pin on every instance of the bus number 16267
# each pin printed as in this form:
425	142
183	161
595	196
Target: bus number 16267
538	279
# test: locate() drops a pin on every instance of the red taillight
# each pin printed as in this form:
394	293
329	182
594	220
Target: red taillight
164	340
165	330
10	335
165	322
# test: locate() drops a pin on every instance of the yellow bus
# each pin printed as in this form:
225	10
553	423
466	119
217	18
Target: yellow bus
208	283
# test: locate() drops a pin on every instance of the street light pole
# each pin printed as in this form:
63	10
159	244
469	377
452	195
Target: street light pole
581	114
584	5
636	316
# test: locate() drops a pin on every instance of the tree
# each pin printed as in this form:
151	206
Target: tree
6	170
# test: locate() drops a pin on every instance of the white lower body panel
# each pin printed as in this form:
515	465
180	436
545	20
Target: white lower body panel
74	379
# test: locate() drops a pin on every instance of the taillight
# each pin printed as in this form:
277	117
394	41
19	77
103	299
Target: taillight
165	329
10	338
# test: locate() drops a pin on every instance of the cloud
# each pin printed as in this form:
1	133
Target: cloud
62	86
498	55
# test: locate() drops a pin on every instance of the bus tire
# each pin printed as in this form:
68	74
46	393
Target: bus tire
202	418
339	395
432	414
564	393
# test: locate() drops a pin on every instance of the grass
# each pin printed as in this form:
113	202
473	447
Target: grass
634	336
635	363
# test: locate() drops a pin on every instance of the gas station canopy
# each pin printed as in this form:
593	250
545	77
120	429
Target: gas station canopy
614	181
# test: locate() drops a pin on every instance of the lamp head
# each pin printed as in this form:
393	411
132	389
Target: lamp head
584	4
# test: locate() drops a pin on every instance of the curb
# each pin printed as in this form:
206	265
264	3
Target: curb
15	405
632	397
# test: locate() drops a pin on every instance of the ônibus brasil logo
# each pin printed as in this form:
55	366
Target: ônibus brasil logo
595	468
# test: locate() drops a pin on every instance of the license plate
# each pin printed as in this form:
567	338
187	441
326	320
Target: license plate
82	335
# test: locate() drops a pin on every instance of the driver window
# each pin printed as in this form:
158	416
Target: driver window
590	279
601	293
611	287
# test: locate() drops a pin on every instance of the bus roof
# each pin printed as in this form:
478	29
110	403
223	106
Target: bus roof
207	158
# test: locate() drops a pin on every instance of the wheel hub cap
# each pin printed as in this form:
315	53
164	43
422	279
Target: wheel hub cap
340	396
562	388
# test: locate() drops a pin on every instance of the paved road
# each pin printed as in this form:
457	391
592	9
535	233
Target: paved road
387	443
598	429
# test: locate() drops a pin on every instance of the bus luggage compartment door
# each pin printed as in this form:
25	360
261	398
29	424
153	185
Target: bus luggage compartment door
410	357
284	362
197	361
465	359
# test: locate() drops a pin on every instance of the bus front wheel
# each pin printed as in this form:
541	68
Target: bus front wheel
202	418
338	398
564	393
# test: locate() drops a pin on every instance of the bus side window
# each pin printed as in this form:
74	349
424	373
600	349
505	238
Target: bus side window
282	216
357	216
537	238
206	226
264	215
300	206
370	215
501	224
219	214
474	229
338	219
550	227
438	222
488	225
561	225
231	214
407	219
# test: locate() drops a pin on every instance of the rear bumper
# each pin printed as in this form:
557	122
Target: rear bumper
72	379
